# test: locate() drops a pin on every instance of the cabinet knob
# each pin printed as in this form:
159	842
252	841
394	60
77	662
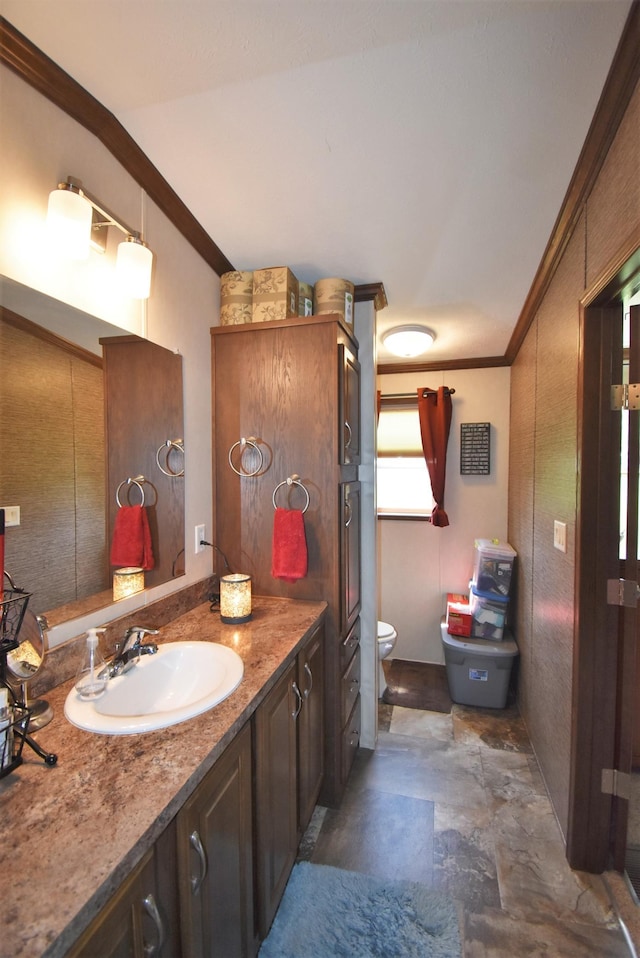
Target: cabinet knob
197	880
152	949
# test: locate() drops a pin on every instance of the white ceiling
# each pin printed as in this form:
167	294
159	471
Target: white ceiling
424	144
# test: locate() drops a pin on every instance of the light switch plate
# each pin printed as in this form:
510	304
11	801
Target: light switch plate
11	515
560	536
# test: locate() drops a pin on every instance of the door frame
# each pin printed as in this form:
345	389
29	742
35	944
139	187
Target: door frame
596	654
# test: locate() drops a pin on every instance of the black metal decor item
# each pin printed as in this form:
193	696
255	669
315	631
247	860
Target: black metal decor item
13	606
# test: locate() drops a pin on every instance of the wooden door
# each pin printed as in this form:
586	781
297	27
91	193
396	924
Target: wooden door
276	794
215	857
310	727
627	706
136	923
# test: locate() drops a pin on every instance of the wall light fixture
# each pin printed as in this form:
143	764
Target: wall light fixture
408	341
77	221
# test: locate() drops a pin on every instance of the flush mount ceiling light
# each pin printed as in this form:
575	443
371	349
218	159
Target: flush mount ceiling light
77	221
408	341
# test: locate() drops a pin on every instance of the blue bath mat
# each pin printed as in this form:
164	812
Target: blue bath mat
327	912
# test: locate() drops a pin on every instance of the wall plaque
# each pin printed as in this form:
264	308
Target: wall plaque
475	449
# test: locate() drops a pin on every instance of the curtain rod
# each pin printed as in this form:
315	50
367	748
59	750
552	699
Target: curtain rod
425	392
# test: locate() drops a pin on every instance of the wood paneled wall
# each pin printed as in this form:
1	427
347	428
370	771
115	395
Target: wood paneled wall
543	457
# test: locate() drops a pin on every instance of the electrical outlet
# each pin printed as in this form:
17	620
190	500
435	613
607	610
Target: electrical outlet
560	536
200	535
11	515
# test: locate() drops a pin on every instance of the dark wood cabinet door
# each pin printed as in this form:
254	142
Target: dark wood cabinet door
349	554
215	859
276	793
349	406
310	727
136	923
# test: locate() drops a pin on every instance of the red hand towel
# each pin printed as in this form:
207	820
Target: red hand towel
289	551
131	544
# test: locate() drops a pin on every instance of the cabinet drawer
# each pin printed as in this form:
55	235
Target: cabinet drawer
350	686
349	645
350	740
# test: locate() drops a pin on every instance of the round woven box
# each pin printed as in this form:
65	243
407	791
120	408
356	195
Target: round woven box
334	296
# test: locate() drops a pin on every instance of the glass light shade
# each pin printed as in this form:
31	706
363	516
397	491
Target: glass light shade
235	598
134	262
127	581
408	341
69	217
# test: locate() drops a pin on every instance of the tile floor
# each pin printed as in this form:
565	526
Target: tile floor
457	801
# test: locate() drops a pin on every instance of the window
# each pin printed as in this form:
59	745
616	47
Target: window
404	488
403	484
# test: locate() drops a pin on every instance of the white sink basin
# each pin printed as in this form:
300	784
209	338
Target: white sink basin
181	680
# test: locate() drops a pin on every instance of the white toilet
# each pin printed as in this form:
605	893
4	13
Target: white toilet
387	636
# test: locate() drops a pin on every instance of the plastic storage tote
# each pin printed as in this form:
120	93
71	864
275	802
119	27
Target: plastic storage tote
493	567
478	672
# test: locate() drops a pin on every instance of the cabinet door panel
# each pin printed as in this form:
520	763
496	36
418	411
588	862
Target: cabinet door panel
119	930
350	740
349	407
310	727
216	859
350	553
350	686
276	794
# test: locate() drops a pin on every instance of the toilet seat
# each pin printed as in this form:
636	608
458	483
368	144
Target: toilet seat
385	631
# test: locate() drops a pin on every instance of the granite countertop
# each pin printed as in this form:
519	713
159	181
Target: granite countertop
72	833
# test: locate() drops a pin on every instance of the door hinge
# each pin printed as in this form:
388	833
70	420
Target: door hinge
623	592
616	783
625	396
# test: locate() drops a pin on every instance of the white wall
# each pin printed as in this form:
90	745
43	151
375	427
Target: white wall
417	563
42	146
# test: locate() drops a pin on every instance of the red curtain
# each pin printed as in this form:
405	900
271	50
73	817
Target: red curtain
434	409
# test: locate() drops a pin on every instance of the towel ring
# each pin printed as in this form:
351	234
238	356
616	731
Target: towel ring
169	445
292	481
131	482
243	443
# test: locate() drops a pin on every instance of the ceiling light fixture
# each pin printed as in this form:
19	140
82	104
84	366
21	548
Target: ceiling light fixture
408	341
77	220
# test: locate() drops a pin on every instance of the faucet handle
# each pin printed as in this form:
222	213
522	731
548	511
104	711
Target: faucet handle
137	632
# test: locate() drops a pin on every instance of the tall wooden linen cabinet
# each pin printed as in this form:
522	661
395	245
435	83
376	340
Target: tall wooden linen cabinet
286	403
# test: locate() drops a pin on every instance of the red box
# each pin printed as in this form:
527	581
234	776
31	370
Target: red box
459	617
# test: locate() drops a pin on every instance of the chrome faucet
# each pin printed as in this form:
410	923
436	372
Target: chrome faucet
130	651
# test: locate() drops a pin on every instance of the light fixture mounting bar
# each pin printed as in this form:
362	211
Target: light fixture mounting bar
108	218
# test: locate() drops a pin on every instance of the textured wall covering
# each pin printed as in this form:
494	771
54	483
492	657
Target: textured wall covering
52	466
543	458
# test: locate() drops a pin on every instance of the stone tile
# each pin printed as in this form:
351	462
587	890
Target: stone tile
496	728
376	833
535	879
464	856
495	934
420	724
421	768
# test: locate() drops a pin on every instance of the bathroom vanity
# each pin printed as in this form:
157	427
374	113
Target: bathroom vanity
177	842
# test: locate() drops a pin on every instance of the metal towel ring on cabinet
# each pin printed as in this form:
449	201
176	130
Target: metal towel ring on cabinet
128	483
168	446
292	481
243	443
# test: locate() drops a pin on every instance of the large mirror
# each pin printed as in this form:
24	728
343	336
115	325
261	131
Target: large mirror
89	417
